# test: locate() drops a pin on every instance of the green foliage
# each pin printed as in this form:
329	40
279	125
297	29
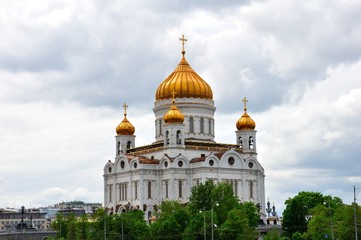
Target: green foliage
220	197
195	229
297	236
201	197
296	214
237	226
272	235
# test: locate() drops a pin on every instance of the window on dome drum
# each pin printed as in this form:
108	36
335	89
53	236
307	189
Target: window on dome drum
250	189
118	147
209	126
191	129
129	144
230	160
201	125
180	188
251	142
149	189
167	137
160	127
179	140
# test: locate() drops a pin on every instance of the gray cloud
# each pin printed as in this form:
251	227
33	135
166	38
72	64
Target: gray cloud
66	67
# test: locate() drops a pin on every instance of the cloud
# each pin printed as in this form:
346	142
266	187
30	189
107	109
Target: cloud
66	67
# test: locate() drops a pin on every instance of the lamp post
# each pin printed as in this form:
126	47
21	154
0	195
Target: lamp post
329	207
355	210
212	218
122	227
204	225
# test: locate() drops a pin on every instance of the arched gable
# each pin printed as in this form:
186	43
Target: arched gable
109	167
181	162
121	163
232	159
212	161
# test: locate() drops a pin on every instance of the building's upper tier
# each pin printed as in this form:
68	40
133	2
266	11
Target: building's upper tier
185	82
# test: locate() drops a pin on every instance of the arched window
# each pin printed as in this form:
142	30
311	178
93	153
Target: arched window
179	140
129	144
251	142
160	127
166	189
240	141
191	128
118	147
210	126
201	125
110	193
250	189
149	189
180	188
135	190
167	137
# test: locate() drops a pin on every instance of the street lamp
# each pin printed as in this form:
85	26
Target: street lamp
329	207
204	225
355	205
212	218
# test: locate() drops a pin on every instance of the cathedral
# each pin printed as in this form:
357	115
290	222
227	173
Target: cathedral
184	153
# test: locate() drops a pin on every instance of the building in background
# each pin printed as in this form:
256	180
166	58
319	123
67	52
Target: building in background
12	219
184	153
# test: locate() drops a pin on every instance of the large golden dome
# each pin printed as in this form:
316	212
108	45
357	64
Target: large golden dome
125	127
186	82
173	115
245	122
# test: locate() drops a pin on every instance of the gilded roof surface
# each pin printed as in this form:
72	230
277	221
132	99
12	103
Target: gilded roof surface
125	127
185	82
245	122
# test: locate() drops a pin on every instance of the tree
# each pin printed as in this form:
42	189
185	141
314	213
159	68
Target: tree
195	229
297	212
208	196
319	225
201	197
131	224
237	226
272	235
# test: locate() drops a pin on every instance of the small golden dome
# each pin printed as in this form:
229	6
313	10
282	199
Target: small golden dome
174	115
245	122
125	127
185	81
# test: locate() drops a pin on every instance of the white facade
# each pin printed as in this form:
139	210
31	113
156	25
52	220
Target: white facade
184	155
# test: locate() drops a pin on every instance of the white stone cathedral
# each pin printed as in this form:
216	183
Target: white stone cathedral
184	153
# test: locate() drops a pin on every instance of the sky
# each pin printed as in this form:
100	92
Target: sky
67	67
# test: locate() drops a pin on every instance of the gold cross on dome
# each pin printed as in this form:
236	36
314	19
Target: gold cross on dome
183	40
125	106
245	103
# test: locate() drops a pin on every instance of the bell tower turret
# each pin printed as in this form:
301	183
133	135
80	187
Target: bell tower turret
246	135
